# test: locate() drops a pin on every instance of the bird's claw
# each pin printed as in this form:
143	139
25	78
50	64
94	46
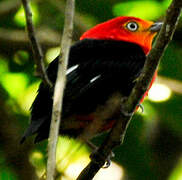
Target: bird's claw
141	107
107	164
108	160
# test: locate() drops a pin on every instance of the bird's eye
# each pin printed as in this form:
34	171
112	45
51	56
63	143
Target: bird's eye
132	26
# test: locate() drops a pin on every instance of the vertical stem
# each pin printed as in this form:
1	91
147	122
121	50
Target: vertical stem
117	133
37	51
59	89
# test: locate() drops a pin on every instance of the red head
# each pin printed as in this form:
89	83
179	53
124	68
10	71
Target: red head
130	29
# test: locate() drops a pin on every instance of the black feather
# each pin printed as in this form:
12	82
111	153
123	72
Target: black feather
117	64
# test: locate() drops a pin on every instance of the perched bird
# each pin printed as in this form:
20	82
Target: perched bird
103	67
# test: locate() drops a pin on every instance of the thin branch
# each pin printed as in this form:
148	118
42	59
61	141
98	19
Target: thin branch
40	69
117	134
78	18
13	40
59	89
8	6
173	84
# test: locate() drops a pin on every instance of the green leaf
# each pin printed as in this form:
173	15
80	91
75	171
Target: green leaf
6	174
21	57
143	9
14	83
19	17
177	172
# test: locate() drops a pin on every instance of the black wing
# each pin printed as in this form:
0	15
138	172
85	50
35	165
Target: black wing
104	66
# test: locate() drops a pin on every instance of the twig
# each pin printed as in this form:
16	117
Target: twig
8	6
117	134
59	89
78	20
13	40
38	55
173	84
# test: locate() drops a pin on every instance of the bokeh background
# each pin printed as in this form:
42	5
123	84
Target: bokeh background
152	149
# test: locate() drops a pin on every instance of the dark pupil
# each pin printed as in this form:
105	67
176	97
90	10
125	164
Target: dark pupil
132	26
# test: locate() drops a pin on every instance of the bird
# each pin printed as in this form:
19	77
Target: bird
103	68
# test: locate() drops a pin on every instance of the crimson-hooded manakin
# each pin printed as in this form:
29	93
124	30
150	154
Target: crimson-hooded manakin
103	67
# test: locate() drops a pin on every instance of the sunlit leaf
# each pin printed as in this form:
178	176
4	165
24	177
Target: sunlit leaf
28	95
177	172
69	151
52	53
19	17
166	3
3	66
73	156
14	83
37	160
159	93
21	57
143	9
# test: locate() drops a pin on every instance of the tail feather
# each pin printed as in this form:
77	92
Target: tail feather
33	128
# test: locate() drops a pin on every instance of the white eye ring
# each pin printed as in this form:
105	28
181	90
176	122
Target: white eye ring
132	26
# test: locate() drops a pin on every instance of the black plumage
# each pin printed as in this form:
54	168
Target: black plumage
105	68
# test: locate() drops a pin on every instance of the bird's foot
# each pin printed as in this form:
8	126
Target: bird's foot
96	155
108	160
141	107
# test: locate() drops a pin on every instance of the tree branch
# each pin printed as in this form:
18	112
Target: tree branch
173	84
13	40
78	20
59	89
9	6
117	134
38	56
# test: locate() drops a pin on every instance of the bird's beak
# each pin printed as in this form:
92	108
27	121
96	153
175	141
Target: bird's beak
156	27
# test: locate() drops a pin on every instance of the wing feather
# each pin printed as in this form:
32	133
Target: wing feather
99	68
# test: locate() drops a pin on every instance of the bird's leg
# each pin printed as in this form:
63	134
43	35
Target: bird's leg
95	153
123	109
108	160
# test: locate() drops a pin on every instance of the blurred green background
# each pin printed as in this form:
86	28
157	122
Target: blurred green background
153	144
